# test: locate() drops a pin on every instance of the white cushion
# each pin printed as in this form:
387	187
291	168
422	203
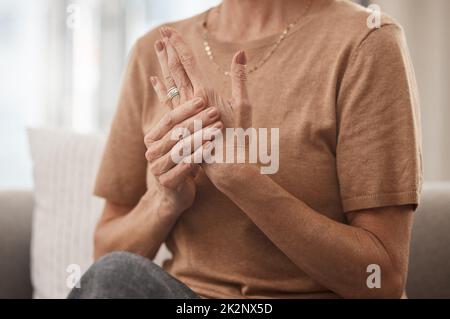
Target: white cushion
66	212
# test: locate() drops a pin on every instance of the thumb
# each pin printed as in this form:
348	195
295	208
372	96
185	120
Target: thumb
239	93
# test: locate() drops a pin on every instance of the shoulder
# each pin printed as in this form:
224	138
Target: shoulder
351	26
351	19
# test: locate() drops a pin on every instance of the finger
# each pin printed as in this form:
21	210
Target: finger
183	149
240	100
190	144
195	171
186	57
160	90
161	53
178	73
173	118
178	174
188	127
239	77
176	69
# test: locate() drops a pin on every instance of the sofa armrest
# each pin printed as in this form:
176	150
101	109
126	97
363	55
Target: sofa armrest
16	209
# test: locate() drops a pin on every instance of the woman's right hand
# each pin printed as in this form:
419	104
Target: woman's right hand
176	179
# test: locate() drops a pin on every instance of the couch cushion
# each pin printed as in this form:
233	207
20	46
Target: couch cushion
65	211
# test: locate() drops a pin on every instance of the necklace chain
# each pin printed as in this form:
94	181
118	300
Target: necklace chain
267	56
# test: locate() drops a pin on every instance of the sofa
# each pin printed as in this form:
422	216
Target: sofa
44	232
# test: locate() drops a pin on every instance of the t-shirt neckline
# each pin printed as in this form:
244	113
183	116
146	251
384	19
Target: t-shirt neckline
253	44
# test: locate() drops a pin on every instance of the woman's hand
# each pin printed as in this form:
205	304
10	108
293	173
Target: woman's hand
188	77
173	133
179	65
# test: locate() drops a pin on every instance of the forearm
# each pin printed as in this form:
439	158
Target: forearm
141	231
336	255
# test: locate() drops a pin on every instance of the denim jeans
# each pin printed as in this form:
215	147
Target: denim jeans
123	275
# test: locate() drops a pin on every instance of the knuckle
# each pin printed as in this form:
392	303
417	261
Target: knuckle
169	80
175	66
168	119
147	156
164	181
155	170
152	153
187	60
148	140
240	74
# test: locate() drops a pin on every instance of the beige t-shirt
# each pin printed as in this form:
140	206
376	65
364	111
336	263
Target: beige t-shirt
344	97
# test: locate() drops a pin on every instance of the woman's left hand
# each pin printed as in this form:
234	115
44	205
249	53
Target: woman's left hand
179	66
188	78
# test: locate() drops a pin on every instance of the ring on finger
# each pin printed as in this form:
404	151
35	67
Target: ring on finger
173	92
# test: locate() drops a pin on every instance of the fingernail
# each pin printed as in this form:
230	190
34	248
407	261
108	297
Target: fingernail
166	32
241	58
212	113
198	102
159	45
218	125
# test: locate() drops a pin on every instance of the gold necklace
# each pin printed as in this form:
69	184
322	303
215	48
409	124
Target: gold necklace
281	38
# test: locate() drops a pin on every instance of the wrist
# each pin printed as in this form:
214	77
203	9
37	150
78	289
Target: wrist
168	209
161	207
226	176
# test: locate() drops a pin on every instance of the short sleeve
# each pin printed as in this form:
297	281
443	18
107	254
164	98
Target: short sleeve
378	152
122	175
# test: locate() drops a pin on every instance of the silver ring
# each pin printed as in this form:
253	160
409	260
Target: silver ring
172	92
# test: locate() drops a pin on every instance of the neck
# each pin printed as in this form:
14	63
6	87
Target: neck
246	20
